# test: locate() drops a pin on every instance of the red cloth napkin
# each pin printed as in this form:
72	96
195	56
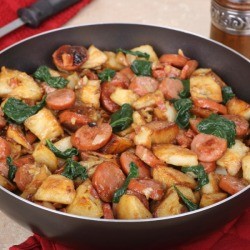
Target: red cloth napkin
233	236
8	13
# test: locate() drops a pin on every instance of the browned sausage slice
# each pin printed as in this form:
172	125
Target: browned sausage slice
241	124
174	59
208	148
171	88
107	211
148	187
128	157
231	184
5	149
91	138
107	178
61	99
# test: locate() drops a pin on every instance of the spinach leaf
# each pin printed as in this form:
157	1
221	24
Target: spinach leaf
141	68
122	118
199	172
134	53
219	126
106	75
12	168
65	154
190	205
183	107
185	93
74	169
227	94
19	111
43	74
133	173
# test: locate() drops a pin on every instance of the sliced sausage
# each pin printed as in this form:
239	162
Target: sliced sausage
241	124
147	156
107	211
231	184
171	88
128	157
61	99
91	138
141	197
142	85
107	178
121	78
211	105
208	166
204	113
208	148
174	59
24	175
127	72
188	69
5	149
26	159
148	187
4	169
107	88
72	120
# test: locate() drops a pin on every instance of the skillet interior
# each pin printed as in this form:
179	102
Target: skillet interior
75	231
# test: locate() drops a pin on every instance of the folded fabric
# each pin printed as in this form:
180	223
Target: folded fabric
8	13
233	236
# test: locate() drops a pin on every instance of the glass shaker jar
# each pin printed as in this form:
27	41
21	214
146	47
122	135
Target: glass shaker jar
230	24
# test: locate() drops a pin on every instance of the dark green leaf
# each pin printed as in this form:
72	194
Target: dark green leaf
74	169
122	118
19	111
135	53
199	172
219	126
65	154
183	107
12	168
106	75
43	74
227	94
133	173
141	68
190	205
185	93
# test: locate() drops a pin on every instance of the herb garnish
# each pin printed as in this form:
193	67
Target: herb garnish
185	93
190	205
133	173
43	74
12	168
65	154
122	118
199	172
134	53
106	75
141	67
227	94
219	126
18	111
74	169
183	107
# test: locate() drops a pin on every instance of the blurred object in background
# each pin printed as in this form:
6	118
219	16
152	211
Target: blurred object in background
230	24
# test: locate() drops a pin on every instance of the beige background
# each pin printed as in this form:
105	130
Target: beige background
189	15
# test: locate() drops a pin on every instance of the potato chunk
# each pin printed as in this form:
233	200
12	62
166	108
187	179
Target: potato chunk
56	188
246	167
170	205
14	83
236	106
90	93
169	176
121	96
96	58
175	155
130	207
112	62
205	86
209	199
84	203
44	125
212	186
231	160
44	155
4	182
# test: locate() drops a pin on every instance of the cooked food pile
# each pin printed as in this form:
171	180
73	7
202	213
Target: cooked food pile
125	134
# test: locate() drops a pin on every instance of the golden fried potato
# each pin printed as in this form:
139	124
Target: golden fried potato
246	167
130	207
212	186
121	96
4	182
84	203
237	106
112	62
56	188
209	199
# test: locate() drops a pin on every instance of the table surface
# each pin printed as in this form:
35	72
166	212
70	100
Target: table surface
189	15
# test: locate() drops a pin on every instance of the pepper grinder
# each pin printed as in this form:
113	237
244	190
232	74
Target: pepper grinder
230	24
